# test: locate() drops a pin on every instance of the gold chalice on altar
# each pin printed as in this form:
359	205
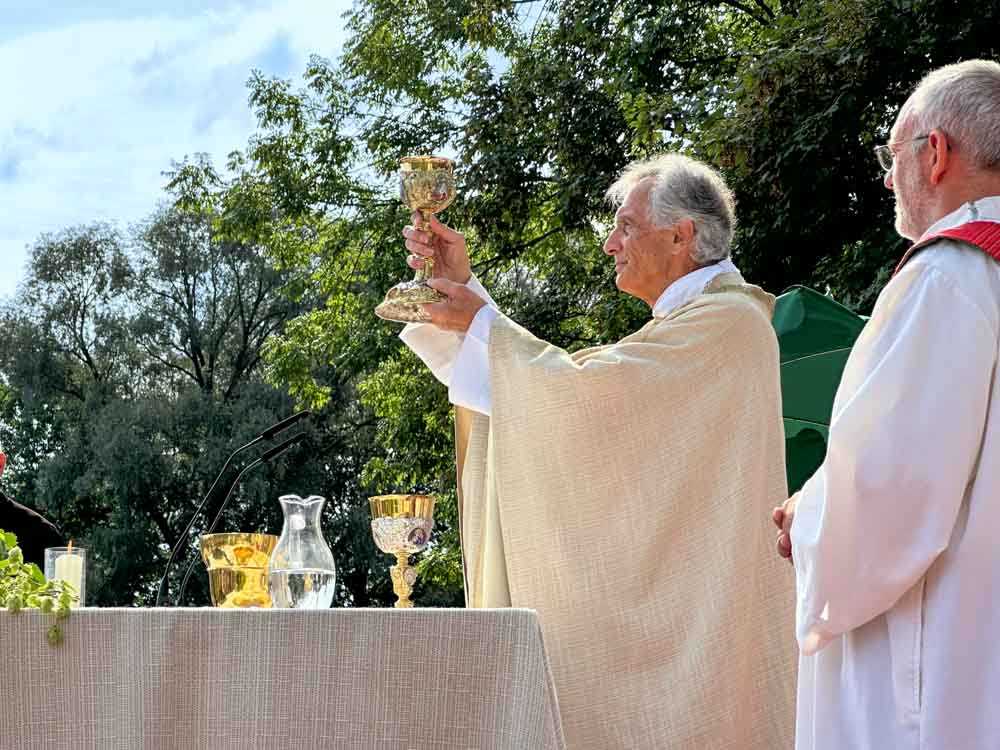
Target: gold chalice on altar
427	185
237	568
401	525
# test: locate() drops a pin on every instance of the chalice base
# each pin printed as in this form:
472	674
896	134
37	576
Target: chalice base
403	303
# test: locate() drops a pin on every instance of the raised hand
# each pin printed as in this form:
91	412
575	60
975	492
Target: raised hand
442	244
458	309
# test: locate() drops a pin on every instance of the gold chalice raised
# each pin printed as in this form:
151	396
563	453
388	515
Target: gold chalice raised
427	185
401	525
237	568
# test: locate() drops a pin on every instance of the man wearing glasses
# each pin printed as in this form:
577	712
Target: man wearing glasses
894	539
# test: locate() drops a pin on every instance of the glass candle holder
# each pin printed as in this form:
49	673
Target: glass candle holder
68	564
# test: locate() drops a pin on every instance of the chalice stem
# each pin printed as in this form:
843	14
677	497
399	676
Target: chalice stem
425	273
403	577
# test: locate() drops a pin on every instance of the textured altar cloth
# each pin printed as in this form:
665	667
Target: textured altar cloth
160	679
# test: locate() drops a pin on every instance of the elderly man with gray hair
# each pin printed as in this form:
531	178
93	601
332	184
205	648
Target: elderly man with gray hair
894	539
617	489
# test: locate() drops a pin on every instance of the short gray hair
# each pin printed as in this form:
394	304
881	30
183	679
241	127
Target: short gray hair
963	100
684	189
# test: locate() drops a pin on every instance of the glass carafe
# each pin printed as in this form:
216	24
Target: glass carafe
301	572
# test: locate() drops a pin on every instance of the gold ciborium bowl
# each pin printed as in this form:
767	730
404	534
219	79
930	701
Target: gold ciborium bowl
427	185
401	526
237	568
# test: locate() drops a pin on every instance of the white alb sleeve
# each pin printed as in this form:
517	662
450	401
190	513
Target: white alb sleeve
470	377
438	349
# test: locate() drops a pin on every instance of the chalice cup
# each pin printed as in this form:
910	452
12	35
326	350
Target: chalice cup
427	185
401	525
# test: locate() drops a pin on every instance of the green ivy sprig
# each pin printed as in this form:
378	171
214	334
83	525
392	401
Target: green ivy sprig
23	586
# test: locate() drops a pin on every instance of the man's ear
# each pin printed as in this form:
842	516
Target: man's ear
940	155
683	235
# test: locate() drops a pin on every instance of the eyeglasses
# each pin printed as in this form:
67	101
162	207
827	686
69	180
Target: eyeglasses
886	155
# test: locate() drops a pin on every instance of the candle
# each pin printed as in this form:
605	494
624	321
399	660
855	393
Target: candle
69	568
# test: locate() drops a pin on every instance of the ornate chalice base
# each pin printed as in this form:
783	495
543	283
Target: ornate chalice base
404	302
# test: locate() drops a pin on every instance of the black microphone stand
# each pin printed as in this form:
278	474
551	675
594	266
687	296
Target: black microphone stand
268	434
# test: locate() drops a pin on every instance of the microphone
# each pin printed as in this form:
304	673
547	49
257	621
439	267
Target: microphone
283	425
268	455
267	434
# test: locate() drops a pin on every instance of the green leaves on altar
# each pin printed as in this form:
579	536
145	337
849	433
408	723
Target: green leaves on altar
23	586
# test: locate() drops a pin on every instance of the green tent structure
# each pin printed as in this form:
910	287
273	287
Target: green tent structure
815	335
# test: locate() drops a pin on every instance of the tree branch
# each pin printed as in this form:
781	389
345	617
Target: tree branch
748	10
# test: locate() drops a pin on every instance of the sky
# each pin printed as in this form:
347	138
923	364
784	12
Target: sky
100	97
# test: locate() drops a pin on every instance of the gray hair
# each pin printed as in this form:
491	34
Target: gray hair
684	189
963	100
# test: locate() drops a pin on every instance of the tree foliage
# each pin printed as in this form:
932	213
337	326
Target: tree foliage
133	367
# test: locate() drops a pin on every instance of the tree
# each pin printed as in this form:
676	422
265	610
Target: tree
807	112
132	367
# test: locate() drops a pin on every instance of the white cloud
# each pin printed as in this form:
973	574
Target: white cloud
96	111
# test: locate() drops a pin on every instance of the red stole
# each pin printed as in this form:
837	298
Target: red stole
982	234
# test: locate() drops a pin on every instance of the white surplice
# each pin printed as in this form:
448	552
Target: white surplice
895	538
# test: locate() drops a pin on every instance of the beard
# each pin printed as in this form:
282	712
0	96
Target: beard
904	226
912	209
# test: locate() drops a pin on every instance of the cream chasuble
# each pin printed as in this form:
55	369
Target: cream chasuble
625	493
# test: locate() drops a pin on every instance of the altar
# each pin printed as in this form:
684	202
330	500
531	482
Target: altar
427	679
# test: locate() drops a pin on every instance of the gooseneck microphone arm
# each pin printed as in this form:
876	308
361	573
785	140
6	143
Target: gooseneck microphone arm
267	434
268	455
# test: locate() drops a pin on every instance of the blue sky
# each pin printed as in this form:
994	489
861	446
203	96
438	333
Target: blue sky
100	97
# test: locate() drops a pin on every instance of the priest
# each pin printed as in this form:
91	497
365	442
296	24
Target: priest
617	489
894	539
